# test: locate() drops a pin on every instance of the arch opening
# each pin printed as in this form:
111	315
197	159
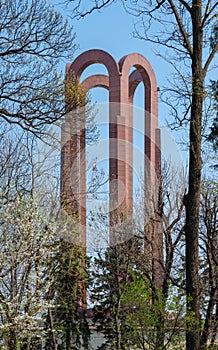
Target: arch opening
93	69
138	152
97	173
91	57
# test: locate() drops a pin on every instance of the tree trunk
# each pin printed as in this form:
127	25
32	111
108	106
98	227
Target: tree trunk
160	332
54	340
12	340
118	332
209	319
68	334
192	199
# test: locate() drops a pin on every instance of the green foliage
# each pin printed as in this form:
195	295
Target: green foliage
191	320
67	314
128	309
147	314
113	273
142	314
75	94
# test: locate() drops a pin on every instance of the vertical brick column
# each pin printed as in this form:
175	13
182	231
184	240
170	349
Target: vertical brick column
121	85
112	82
153	228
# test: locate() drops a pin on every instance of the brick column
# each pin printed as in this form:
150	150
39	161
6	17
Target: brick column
121	85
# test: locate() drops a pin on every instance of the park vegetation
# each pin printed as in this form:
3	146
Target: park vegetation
42	274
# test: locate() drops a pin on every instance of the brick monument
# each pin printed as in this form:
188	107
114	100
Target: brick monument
121	81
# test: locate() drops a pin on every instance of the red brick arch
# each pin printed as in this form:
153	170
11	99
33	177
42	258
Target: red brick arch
97	56
97	80
135	79
140	63
91	57
122	84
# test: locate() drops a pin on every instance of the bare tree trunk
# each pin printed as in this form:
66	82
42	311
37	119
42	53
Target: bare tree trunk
209	319
215	326
192	199
118	333
54	340
68	332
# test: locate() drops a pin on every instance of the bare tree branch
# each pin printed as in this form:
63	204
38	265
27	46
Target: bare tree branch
181	28
33	41
209	59
208	11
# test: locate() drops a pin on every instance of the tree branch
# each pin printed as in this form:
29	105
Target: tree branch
94	8
209	60
186	5
187	43
208	13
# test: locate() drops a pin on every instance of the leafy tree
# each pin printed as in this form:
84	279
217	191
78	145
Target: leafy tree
31	227
66	319
142	317
25	247
26	242
128	308
111	277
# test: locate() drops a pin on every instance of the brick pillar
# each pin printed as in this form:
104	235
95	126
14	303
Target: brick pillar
121	85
